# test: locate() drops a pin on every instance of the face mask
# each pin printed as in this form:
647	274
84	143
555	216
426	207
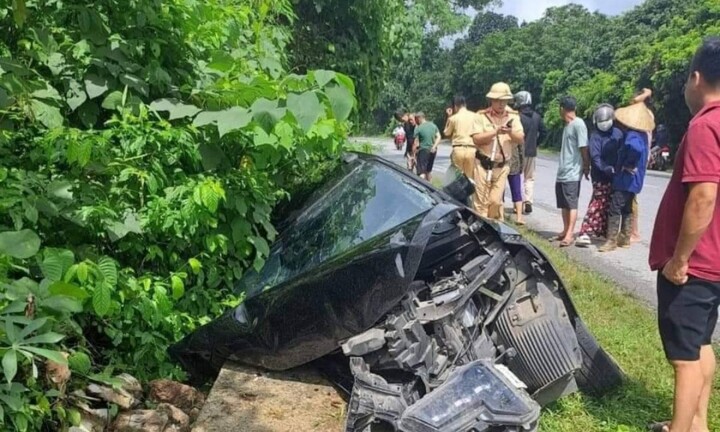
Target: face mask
605	126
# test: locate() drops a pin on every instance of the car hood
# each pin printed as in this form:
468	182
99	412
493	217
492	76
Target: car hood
337	268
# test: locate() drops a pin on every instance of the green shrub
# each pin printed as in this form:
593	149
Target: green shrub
143	149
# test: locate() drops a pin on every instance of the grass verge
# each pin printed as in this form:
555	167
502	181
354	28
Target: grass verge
628	330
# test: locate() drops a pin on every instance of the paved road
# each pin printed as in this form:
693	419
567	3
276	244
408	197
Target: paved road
626	267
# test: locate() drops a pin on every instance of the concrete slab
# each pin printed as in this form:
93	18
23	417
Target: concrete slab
247	400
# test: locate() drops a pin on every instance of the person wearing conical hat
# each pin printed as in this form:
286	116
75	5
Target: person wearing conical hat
497	132
643	96
636	122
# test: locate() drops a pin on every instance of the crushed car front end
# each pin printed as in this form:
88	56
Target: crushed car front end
427	316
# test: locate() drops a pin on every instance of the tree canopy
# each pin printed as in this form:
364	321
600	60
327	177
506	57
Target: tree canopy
570	50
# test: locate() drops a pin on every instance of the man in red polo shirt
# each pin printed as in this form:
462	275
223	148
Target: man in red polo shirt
685	249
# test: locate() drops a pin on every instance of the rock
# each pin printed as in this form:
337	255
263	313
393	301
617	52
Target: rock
120	397
194	414
80	395
93	420
131	385
179	421
140	421
57	374
180	395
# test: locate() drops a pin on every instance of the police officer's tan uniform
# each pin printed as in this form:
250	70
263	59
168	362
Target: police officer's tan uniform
459	128
488	200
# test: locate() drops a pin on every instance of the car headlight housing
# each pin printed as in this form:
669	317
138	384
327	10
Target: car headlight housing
477	396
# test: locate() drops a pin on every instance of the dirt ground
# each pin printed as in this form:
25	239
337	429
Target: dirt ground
246	400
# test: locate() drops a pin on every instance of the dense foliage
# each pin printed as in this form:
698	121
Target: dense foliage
371	40
568	51
143	147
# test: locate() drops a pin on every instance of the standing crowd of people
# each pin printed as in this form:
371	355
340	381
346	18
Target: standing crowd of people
497	146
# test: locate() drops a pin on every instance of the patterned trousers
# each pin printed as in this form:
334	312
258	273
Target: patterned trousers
596	218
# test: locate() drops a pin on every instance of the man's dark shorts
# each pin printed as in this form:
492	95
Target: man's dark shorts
686	316
567	195
425	161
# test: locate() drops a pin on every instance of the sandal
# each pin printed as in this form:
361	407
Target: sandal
659	427
564	243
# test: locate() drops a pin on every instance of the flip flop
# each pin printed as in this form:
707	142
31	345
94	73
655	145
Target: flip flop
659	427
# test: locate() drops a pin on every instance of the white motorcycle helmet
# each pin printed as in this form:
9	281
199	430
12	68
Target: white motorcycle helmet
523	98
603	117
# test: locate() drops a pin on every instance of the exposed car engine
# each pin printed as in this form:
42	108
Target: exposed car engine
456	344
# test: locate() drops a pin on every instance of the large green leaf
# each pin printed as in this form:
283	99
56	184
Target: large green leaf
19	12
306	108
52	268
95	85
19	244
5	99
45	338
260	244
60	189
88	113
101	299
341	100
63	304
80	362
55	356
75	95
345	81
33	326
9	65
56	63
226	120
46	114
113	100
9	363
119	229
66	289
48	92
267	113
109	270
175	108
212	156
178	287
135	82
195	265
323	77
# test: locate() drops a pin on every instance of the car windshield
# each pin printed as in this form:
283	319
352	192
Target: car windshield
361	201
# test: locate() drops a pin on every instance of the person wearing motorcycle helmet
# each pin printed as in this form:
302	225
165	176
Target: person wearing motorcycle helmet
535	133
605	141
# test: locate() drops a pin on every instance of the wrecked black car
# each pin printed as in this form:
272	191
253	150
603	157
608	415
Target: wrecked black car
427	316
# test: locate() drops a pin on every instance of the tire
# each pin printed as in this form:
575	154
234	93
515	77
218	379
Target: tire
599	373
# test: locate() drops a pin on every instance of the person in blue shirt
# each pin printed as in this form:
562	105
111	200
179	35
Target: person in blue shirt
604	144
636	121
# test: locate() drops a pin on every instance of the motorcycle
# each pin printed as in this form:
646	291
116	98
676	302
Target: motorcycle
426	316
660	158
